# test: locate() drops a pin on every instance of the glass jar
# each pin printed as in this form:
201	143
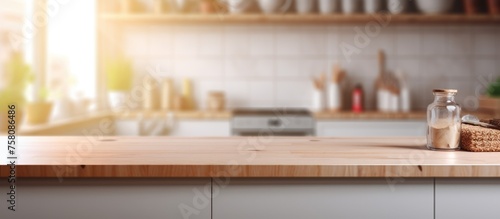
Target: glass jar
443	121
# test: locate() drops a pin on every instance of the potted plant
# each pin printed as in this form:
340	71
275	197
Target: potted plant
39	111
119	75
491	101
16	77
494	89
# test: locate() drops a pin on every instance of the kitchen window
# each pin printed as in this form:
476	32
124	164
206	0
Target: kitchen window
62	53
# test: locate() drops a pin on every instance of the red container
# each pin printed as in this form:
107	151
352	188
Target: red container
357	99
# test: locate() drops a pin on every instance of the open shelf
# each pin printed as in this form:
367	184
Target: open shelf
296	19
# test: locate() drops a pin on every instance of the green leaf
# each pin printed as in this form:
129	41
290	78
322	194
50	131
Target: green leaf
494	89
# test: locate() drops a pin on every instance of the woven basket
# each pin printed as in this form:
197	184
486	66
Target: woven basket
479	139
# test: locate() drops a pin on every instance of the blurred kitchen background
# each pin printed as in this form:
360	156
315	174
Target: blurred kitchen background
237	67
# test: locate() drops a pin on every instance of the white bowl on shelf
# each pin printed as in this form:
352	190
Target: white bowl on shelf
397	6
372	6
238	6
274	6
328	6
304	6
351	6
434	6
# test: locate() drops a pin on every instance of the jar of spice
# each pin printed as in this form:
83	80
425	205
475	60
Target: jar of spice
443	120
216	101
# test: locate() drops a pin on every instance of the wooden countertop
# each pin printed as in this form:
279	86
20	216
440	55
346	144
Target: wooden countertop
320	116
226	115
243	157
371	115
194	115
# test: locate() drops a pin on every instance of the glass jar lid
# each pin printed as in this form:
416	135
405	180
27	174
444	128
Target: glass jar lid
445	91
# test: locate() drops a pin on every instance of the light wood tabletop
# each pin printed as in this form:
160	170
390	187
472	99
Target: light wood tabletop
264	156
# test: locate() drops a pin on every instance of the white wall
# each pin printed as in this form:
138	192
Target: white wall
271	65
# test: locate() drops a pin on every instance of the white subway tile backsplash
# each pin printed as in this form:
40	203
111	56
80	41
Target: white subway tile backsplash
434	41
199	68
459	41
410	67
210	41
486	68
288	41
248	68
313	41
444	66
348	49
312	67
236	41
301	91
272	65
299	103
333	40
237	93
161	42
261	103
407	42
140	66
262	91
288	68
383	39
261	41
459	67
237	68
484	43
186	42
136	42
160	67
362	68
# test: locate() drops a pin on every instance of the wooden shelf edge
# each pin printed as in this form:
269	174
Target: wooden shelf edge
294	18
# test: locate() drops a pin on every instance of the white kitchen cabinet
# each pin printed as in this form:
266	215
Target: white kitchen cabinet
467	198
144	127
375	128
110	199
200	128
127	127
324	199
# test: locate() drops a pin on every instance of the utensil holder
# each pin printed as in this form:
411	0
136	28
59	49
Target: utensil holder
334	97
318	100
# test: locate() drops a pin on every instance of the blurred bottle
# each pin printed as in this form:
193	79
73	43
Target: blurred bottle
152	94
357	99
187	94
167	94
404	95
